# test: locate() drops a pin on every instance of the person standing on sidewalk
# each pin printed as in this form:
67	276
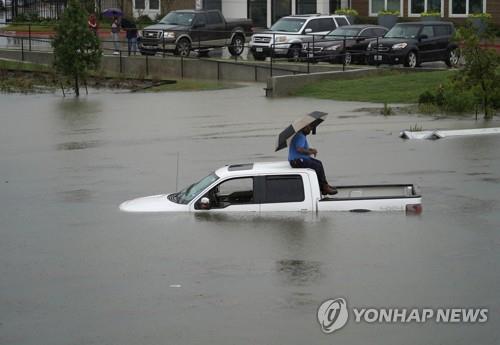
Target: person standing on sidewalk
92	23
115	33
131	32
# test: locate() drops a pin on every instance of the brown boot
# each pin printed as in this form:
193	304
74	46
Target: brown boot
327	189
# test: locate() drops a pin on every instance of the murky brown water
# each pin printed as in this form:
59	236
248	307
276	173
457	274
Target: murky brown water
74	270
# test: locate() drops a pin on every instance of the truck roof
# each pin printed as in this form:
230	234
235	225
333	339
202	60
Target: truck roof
256	168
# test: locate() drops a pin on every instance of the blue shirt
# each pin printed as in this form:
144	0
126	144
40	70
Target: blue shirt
299	140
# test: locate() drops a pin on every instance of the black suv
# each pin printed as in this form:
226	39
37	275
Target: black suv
414	43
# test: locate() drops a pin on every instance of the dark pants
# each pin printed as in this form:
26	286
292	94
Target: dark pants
311	163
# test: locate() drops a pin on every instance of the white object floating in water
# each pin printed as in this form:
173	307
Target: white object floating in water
175	285
437	134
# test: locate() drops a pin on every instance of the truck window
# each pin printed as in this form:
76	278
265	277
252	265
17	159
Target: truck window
326	24
200	19
284	188
233	192
213	18
342	21
442	30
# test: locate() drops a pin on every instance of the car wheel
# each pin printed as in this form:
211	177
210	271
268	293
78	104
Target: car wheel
258	57
294	53
183	47
453	58
237	45
347	58
411	60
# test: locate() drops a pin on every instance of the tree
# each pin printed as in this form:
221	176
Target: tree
481	69
76	48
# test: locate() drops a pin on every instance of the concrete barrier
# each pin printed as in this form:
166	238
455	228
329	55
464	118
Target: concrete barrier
170	67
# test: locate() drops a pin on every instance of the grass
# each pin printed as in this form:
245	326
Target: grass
192	85
26	28
23	66
396	87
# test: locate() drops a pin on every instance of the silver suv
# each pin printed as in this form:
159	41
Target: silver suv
286	36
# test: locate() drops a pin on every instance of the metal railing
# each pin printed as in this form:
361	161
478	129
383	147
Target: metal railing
310	50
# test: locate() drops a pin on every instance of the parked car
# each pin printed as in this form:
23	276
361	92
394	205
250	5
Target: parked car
182	31
276	187
286	36
413	43
344	45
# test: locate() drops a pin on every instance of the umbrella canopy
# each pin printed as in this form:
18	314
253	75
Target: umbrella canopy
112	12
313	119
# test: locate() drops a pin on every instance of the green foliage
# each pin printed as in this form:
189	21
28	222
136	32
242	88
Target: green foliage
389	12
431	14
347	12
480	15
427	98
144	20
480	73
76	48
387	110
415	128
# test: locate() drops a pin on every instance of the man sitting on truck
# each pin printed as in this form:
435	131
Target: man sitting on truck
299	156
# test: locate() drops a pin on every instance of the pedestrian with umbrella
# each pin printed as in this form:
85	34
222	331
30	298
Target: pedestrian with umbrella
299	152
115	13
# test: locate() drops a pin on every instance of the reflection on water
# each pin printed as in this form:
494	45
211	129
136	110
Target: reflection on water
82	145
299	272
78	195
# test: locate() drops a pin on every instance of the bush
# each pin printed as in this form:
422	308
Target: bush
427	98
430	14
347	12
389	12
144	20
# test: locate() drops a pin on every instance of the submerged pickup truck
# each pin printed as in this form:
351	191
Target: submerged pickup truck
182	31
275	187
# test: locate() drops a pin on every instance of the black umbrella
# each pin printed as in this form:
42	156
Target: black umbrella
112	12
313	119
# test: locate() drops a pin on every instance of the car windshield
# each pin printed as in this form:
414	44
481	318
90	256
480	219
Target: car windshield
178	18
345	32
403	31
189	193
288	24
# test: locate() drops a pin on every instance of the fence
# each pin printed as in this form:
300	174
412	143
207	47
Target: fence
305	57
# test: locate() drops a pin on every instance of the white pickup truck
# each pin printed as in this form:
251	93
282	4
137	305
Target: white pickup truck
275	187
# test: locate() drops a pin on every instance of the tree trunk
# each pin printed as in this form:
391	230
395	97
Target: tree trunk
77	87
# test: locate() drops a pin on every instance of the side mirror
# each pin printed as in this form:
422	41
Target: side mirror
205	203
423	37
308	30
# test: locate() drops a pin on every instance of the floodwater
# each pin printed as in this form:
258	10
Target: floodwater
75	270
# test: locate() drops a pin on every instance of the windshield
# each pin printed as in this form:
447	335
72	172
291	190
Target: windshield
178	18
349	32
189	193
403	31
288	24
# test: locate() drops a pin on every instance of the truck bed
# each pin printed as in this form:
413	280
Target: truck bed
373	198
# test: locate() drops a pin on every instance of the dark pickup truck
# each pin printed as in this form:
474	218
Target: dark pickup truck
182	31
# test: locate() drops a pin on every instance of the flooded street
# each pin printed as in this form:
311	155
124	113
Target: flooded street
75	270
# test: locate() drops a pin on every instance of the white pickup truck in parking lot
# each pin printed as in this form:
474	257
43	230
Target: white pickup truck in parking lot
286	36
275	187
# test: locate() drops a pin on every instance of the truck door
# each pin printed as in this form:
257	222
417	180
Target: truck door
231	195
427	45
284	193
199	33
217	27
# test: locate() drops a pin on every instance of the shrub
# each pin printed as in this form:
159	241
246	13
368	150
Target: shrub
427	98
144	20
431	14
389	12
347	12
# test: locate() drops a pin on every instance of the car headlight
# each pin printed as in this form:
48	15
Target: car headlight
334	47
281	39
370	46
169	34
399	46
